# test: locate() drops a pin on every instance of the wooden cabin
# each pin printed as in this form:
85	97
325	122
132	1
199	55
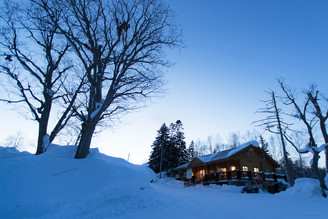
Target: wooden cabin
242	161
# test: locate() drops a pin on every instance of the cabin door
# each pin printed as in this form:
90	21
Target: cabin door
189	173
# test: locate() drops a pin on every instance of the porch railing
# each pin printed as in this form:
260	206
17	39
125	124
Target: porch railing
243	175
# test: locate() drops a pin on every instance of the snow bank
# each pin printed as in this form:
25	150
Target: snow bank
10	152
55	184
305	188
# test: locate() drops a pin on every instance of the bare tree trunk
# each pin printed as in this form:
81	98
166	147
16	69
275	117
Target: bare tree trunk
290	177
319	174
41	134
301	165
43	123
325	136
161	162
87	131
89	125
326	152
322	119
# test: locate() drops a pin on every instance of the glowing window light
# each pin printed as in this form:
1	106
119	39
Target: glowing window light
222	170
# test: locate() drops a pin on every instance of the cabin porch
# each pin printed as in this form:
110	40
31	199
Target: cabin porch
269	181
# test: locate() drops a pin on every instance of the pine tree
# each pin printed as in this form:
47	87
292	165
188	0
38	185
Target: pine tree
264	145
169	147
160	147
179	153
191	151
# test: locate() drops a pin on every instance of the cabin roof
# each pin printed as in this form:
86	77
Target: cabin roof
220	155
227	153
183	166
216	156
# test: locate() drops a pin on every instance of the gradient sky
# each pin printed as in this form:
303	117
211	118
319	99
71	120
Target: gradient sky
234	52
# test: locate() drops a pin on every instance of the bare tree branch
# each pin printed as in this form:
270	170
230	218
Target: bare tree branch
38	61
120	45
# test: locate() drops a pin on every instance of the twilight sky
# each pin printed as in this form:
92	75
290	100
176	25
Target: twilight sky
234	52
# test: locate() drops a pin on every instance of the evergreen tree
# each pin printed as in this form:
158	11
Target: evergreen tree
179	153
264	145
191	151
159	150
169	147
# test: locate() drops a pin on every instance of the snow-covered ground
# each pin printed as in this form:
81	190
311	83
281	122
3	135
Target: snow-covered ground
54	185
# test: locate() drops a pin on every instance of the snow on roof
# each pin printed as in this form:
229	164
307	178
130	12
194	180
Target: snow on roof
182	166
227	153
207	158
242	146
216	156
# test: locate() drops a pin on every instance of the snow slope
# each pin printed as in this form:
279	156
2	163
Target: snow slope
54	185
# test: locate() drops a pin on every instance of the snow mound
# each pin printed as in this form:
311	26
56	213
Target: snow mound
304	187
10	152
54	184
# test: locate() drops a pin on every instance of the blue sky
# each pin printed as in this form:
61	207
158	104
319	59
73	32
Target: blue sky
234	51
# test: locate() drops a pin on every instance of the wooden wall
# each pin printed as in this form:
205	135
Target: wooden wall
252	158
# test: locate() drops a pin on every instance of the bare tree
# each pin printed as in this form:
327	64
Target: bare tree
35	62
214	144
15	141
301	114
210	144
275	151
321	114
298	139
201	148
234	139
274	124
121	46
253	135
218	144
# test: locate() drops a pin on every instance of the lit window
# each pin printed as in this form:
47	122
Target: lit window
245	168
222	170
256	169
202	173
233	168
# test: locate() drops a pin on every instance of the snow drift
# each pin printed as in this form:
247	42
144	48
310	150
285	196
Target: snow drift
304	187
55	184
